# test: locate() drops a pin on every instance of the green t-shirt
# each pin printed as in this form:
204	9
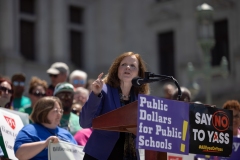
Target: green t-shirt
70	122
21	102
27	110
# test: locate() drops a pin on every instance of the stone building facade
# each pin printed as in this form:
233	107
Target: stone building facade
88	35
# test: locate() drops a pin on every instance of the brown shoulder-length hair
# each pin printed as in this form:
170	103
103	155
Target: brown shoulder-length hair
112	77
231	104
8	105
42	107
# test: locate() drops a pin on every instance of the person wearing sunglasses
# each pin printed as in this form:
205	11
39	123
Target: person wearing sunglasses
78	78
19	100
6	97
37	90
6	93
33	139
58	73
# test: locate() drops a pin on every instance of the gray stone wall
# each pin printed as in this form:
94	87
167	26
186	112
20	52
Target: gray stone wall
115	26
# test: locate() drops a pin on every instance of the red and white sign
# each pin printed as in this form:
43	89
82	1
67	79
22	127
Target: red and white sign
10	121
10	125
173	156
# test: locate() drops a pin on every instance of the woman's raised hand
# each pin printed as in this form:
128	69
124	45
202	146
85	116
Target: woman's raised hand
97	85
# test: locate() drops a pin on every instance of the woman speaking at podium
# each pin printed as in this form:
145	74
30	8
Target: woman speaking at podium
111	92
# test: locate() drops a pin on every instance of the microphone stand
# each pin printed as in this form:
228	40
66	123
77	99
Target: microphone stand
149	75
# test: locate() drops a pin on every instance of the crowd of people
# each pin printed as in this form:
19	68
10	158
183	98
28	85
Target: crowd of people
53	109
64	109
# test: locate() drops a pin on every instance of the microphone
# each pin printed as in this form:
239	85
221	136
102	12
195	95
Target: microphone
138	81
151	77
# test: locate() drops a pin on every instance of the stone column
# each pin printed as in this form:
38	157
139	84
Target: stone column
42	31
59	31
8	28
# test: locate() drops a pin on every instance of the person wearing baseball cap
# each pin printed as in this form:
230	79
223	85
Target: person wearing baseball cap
70	121
58	72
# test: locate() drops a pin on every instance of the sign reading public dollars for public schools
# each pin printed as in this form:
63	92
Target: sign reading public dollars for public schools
163	125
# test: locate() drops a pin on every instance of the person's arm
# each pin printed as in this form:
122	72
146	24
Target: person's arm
92	105
29	150
89	110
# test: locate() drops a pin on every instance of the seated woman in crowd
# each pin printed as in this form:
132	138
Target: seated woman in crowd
6	93
6	97
37	90
33	139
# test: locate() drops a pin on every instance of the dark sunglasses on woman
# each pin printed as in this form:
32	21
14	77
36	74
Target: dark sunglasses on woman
4	89
38	94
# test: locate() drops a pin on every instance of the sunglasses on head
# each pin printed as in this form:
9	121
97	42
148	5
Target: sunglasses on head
4	89
77	81
53	75
38	94
18	83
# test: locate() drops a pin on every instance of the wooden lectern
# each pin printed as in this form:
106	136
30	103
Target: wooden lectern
124	119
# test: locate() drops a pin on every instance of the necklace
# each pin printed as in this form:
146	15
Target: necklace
122	97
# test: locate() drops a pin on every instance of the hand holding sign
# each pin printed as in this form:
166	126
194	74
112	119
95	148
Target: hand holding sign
51	139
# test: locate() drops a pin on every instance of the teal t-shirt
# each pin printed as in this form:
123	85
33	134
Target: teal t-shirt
21	102
70	122
27	110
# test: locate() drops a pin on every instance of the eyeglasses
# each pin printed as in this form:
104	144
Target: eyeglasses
53	75
60	111
4	89
78	81
38	94
18	83
67	95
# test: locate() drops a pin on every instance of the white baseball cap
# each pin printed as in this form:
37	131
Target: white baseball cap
57	68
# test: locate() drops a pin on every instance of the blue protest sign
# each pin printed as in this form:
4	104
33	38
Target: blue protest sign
162	125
